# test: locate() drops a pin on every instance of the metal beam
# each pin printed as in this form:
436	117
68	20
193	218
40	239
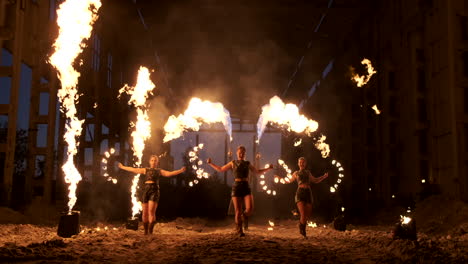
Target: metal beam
9	168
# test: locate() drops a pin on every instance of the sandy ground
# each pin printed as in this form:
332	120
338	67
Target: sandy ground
197	241
442	238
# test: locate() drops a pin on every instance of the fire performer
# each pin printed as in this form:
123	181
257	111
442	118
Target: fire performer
240	189
303	196
150	196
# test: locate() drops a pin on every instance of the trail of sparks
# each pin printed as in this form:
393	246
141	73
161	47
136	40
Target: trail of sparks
105	164
364	79
139	93
196	163
75	19
198	111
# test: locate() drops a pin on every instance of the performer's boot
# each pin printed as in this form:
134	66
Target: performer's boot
151	227
239	230
245	221
145	225
302	230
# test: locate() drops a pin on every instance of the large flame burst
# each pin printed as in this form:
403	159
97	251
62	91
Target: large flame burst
139	94
284	115
75	19
197	112
362	80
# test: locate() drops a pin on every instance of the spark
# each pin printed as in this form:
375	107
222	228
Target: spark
298	142
405	220
377	111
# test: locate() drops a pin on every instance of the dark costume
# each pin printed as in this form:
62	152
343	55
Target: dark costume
303	194
151	190
240	171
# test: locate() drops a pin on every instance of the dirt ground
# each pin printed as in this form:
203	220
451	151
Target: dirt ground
441	239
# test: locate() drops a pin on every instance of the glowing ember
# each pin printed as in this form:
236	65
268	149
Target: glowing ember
377	111
197	112
405	220
322	146
286	115
298	142
311	224
138	95
75	19
362	80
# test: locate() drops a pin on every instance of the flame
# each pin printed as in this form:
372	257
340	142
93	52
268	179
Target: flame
271	223
405	219
362	80
138	95
284	115
198	111
377	111
322	146
311	224
298	142
75	19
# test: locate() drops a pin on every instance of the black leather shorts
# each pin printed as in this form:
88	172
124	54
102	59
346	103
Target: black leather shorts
150	193
304	195
240	189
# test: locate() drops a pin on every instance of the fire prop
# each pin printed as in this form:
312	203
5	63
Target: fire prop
196	163
364	79
198	111
286	115
138	95
105	164
75	19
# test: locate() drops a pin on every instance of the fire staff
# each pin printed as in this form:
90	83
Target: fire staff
240	188
150	196
303	198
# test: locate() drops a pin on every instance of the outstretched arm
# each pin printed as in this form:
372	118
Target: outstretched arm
294	177
318	179
218	168
131	169
259	171
172	173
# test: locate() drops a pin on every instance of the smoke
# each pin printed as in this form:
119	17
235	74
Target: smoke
221	52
